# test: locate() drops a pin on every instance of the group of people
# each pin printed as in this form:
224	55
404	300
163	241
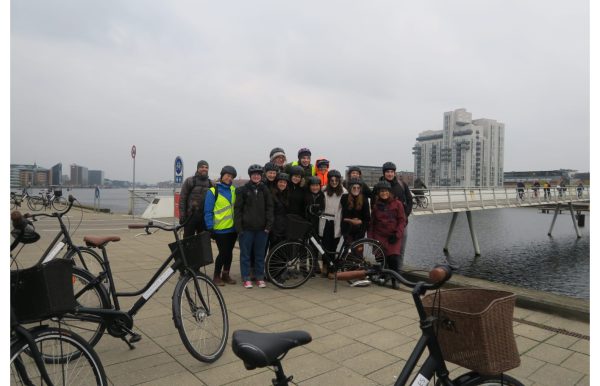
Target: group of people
256	214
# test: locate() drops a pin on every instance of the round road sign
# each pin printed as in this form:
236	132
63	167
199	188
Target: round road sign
133	151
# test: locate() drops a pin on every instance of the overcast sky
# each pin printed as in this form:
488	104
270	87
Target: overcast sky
354	81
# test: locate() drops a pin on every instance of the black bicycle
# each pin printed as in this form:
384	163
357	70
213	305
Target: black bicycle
292	262
49	199
259	350
420	201
199	310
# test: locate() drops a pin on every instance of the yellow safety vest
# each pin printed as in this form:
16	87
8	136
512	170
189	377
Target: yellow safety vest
313	169
223	210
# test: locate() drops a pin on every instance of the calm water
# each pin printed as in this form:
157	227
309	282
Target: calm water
515	248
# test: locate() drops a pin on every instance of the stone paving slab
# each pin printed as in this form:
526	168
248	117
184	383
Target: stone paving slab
361	336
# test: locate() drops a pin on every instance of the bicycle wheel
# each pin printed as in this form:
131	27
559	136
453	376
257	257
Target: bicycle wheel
424	202
86	369
89	328
201	318
86	258
36	203
475	379
13	203
60	203
361	254
289	265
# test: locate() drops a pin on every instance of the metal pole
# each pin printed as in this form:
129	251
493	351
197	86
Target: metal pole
473	235
554	219
133	194
574	221
454	216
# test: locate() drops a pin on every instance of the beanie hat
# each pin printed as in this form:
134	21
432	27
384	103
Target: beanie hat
276	152
202	163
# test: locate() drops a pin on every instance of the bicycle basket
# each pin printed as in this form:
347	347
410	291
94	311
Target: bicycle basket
474	328
58	192
42	291
197	249
297	227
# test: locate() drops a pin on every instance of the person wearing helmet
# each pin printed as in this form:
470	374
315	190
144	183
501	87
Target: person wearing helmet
191	200
387	225
322	170
277	156
354	172
253	218
355	212
218	217
304	155
271	171
314	204
330	224
296	191
281	204
401	192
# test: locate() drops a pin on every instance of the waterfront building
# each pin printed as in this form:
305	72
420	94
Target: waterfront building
96	177
551	176
372	174
22	175
79	175
466	152
56	174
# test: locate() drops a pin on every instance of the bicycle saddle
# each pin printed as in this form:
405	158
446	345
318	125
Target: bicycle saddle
258	349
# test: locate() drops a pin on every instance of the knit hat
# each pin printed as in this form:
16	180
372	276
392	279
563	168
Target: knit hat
201	163
276	152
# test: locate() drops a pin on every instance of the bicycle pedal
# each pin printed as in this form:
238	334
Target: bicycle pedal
135	338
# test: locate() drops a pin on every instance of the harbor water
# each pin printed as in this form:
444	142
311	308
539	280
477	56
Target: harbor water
515	247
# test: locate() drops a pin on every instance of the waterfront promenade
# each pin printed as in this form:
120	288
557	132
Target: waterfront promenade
361	336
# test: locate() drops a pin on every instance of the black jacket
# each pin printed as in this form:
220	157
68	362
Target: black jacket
253	209
401	191
296	196
193	192
314	199
364	214
281	204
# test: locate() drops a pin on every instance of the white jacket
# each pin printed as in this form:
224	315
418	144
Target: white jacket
333	207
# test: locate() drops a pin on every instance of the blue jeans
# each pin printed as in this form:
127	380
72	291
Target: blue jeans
253	241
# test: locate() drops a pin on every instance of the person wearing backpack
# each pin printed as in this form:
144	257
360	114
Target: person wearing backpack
253	218
191	200
218	217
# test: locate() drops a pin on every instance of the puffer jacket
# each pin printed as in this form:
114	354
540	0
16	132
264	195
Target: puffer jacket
192	195
322	176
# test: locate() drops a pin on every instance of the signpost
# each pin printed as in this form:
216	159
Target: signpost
178	179
97	198
133	153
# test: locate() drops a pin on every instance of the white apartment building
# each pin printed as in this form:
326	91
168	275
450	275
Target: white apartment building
466	152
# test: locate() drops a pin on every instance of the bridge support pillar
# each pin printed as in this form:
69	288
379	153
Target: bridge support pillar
574	220
473	235
554	219
454	216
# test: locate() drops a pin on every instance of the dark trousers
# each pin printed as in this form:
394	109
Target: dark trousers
225	243
329	242
194	226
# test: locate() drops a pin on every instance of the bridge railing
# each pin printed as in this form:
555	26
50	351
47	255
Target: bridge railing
452	199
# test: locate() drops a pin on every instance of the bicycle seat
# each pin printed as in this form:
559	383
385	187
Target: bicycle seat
99	241
258	349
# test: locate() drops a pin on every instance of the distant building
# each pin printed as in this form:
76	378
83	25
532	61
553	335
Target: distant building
56	174
529	177
467	152
79	175
28	175
371	174
96	177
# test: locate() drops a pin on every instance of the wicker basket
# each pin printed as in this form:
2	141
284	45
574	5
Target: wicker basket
42	291
475	329
197	249
297	227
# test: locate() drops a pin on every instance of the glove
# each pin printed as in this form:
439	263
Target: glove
393	239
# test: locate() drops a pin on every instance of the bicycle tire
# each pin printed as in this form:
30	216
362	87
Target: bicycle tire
289	264
475	379
203	334
36	203
361	254
85	369
87	259
424	202
13	203
27	200
60	203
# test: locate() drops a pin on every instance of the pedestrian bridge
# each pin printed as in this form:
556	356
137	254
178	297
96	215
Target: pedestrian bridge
468	199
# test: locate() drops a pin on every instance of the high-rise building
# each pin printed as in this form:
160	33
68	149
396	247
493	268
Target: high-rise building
79	175
466	152
56	174
96	177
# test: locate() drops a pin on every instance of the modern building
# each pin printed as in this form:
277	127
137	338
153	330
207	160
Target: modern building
371	174
56	174
96	177
79	175
466	152
28	175
529	177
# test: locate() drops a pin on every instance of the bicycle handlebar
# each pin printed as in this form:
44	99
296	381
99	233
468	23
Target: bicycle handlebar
438	275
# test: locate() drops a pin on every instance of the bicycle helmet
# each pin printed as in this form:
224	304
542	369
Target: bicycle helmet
296	170
354	169
354	181
322	162
276	152
271	167
304	151
255	168
334	173
312	180
229	170
388	166
282	176
383	185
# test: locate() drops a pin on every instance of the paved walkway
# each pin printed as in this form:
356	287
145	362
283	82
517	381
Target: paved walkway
361	336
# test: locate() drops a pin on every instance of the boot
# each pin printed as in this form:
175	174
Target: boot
226	278
324	270
217	280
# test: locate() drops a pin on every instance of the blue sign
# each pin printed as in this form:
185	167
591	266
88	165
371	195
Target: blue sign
97	192
178	170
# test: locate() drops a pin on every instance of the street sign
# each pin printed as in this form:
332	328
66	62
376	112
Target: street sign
178	170
97	192
133	152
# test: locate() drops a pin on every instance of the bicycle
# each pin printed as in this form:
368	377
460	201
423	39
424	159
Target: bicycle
49	199
420	201
291	262
199	311
15	202
258	350
45	355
